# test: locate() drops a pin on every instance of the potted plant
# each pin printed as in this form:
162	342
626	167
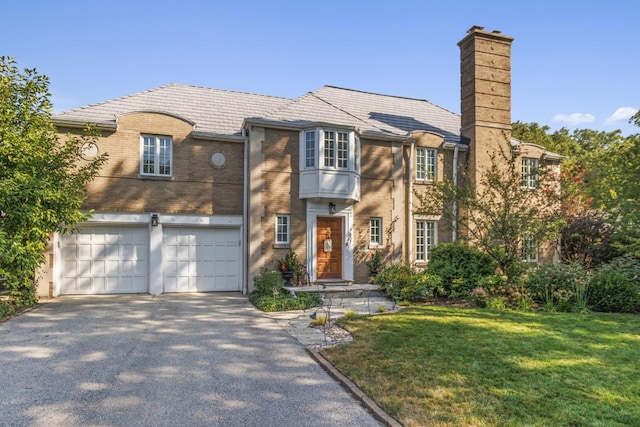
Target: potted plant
288	266
375	263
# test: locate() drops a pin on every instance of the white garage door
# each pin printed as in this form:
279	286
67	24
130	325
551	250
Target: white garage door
105	260
201	260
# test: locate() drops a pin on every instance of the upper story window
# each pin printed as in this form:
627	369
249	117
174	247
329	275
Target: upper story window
156	155
529	172
282	229
375	231
329	149
310	149
425	164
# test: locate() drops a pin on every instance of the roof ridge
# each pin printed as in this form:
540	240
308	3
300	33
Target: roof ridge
392	96
225	90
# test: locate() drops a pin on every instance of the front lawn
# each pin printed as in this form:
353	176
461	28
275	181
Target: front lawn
452	366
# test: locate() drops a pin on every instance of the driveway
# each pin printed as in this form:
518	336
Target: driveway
169	360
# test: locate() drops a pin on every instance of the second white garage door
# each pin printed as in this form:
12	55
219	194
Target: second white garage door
201	259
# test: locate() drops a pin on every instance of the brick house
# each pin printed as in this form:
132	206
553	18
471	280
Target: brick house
205	187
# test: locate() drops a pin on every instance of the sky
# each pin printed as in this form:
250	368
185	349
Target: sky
575	64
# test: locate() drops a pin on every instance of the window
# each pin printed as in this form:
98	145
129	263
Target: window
529	172
375	231
343	149
425	164
329	149
282	229
310	149
425	239
529	249
156	155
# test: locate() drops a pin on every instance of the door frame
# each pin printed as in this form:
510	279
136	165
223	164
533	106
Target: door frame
343	210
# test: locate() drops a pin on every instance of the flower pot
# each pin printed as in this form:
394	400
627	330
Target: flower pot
287	276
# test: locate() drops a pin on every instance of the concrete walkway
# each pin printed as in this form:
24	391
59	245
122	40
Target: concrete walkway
138	360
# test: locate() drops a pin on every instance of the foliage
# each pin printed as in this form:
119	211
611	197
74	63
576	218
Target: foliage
616	286
498	211
42	180
587	238
404	283
453	366
269	295
496	293
320	320
375	263
460	266
560	287
289	262
600	173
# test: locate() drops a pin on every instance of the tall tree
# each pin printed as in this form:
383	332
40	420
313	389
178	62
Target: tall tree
42	179
499	213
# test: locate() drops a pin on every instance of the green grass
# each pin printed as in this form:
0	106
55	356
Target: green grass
452	366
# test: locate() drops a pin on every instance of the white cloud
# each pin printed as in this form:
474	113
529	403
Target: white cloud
574	119
622	113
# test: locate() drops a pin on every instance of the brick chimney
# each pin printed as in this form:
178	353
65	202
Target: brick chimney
485	95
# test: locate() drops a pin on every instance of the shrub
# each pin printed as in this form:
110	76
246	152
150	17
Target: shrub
561	287
495	292
269	295
616	286
403	283
460	266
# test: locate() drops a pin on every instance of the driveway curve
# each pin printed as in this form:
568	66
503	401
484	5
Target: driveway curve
169	360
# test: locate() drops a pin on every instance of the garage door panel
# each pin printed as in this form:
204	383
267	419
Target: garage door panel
209	262
100	260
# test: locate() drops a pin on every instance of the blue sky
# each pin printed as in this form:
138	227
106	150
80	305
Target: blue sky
574	63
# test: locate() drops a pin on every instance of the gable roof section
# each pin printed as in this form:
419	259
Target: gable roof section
222	112
214	111
372	114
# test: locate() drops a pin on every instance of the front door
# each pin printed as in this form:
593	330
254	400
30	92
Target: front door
329	248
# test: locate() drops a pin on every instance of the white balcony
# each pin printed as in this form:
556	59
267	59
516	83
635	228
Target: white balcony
329	184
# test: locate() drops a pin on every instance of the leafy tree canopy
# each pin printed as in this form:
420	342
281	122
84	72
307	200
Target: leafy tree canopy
42	179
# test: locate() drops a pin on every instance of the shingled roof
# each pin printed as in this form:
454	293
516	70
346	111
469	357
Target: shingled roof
222	112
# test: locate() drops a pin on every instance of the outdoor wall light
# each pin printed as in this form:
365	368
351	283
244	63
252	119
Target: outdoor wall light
155	220
332	208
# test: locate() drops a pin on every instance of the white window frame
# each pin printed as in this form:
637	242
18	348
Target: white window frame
283	229
530	172
329	146
310	148
426	164
375	231
155	143
342	150
426	237
529	248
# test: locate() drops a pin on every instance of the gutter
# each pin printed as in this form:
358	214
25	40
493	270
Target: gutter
76	124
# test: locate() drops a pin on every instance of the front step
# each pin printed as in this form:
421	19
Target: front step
339	290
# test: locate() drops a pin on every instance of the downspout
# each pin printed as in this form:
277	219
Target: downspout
454	222
245	215
410	204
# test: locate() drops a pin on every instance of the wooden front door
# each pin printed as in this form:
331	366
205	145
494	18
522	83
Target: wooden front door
329	248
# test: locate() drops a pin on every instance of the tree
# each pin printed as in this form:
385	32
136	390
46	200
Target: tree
499	212
42	179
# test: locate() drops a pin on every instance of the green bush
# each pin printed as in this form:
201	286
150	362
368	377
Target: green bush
495	292
404	283
560	287
616	286
269	295
460	266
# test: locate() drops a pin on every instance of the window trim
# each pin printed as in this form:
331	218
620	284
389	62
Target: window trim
279	232
157	155
530	177
426	164
310	154
529	249
378	225
430	239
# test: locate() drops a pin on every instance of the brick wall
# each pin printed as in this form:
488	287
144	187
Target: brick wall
196	186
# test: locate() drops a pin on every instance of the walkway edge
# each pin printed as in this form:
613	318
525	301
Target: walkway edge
348	385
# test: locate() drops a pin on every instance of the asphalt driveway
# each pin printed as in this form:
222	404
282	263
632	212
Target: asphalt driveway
169	360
